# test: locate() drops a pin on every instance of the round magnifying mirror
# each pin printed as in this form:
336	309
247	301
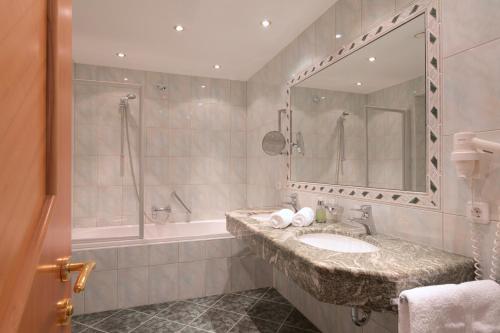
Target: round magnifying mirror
273	143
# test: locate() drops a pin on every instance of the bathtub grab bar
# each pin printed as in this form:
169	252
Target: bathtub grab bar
176	196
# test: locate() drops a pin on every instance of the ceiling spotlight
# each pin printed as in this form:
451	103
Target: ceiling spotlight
120	55
179	28
216	66
203	86
371	59
358	83
125	79
265	23
338	36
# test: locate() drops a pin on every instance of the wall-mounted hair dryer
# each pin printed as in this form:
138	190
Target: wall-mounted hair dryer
471	154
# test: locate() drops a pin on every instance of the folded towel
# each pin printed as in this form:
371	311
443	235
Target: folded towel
281	218
303	217
467	307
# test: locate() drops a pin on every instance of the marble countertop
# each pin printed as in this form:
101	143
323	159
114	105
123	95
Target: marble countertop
368	280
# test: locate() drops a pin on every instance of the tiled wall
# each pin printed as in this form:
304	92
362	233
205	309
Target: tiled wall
149	274
193	139
102	196
471	88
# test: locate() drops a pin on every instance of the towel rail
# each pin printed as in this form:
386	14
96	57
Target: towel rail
398	300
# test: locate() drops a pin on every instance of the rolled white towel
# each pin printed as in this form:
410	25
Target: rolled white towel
303	217
281	218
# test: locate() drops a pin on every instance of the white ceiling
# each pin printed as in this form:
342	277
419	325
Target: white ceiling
225	32
399	57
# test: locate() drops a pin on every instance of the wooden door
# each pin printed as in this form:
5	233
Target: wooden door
35	162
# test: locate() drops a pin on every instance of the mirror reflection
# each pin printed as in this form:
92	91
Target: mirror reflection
362	121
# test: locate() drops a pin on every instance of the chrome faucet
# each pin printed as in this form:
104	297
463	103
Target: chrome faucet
366	219
293	202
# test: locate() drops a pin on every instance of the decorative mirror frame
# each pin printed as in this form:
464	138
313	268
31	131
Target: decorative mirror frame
431	198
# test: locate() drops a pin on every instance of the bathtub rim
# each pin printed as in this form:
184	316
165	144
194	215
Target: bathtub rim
114	242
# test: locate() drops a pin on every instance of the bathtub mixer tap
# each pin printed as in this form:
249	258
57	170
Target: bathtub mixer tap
155	210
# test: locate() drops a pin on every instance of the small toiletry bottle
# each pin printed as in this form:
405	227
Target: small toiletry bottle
320	212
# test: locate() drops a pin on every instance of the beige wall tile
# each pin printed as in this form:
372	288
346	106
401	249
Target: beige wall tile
469	23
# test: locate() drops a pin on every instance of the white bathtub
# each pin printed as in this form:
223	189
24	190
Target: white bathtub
116	236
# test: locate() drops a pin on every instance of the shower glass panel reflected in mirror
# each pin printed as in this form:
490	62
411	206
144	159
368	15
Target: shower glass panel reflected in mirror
106	160
363	118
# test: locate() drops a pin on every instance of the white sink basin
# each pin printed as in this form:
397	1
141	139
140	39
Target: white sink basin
337	243
261	217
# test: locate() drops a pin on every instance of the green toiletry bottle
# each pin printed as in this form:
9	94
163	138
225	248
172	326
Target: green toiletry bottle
320	212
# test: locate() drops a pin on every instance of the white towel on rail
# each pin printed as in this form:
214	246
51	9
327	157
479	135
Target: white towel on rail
468	307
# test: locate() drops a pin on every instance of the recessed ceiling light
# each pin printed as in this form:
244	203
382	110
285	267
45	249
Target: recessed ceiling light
125	79
216	66
203	86
358	83
120	55
371	59
338	36
179	28
265	23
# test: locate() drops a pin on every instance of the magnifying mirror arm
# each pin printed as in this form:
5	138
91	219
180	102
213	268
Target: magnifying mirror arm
280	111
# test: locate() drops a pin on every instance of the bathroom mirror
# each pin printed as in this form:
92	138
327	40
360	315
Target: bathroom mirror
364	115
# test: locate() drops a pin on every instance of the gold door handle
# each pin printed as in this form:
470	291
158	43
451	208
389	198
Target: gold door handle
64	311
85	268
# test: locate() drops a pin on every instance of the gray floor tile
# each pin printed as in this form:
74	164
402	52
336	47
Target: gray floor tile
152	309
235	303
215	320
77	328
297	319
93	318
123	321
272	311
274	296
92	330
190	329
206	301
254	325
290	329
182	312
157	325
255	293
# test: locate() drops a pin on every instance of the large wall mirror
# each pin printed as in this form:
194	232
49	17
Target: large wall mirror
360	120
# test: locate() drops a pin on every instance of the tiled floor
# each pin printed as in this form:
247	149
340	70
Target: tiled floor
252	311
